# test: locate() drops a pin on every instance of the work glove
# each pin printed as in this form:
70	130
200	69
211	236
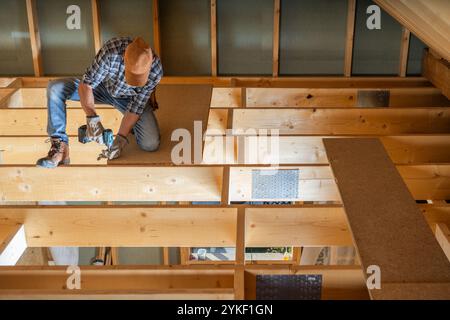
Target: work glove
116	149
94	130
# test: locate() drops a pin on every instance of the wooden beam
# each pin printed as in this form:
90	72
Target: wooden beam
437	71
166	256
349	37
339	121
276	39
213	38
274	82
96	25
428	20
35	38
373	193
12	243
334	98
111	184
156	31
131	226
404	49
443	237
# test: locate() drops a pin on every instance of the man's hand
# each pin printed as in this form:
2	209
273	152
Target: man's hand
87	99
94	131
116	149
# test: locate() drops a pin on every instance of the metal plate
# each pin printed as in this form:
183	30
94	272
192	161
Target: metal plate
373	98
288	287
275	184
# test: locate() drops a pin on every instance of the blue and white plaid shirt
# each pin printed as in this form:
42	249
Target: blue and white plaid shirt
109	68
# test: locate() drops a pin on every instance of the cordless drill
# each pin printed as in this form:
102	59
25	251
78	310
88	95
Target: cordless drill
108	136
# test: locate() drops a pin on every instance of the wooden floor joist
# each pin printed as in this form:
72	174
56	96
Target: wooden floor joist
335	121
402	245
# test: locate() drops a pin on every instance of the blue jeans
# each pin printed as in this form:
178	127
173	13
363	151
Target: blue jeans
146	129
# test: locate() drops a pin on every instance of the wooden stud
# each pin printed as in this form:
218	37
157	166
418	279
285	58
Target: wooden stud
240	236
12	243
185	254
349	38
34	37
166	256
156	30
276	39
404	49
96	25
437	71
213	38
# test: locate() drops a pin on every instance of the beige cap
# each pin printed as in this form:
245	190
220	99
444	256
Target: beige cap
138	62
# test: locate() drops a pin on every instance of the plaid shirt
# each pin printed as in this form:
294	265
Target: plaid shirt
109	68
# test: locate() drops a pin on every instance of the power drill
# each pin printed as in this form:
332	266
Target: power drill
108	136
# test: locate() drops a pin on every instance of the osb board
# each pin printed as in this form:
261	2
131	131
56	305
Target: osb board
387	226
179	107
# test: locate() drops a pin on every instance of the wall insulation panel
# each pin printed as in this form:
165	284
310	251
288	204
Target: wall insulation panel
185	37
312	37
377	51
15	47
132	18
245	37
415	55
65	51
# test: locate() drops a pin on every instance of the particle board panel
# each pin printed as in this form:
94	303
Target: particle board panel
387	226
123	226
343	97
333	121
179	107
99	183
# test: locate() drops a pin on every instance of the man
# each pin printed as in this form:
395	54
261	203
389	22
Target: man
124	74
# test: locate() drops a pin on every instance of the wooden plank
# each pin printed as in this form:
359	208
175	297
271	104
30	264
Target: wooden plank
443	237
96	25
110	184
402	149
373	121
339	98
226	98
9	82
35	38
33	122
276	39
156	32
5	96
437	71
348	56
138	226
374	193
404	49
428	20
213	38
275	82
309	226
12	243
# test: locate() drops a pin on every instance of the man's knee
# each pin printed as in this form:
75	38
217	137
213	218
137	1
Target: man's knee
57	88
149	145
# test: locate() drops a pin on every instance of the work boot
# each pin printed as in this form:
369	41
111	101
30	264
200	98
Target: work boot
58	155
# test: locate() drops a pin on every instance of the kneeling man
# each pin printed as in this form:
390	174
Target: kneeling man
124	74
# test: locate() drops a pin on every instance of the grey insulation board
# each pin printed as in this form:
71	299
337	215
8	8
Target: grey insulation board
245	37
185	37
312	37
288	287
275	184
64	51
15	47
415	54
126	18
375	52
